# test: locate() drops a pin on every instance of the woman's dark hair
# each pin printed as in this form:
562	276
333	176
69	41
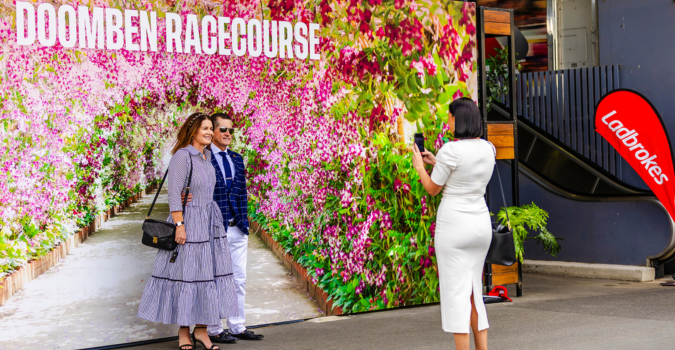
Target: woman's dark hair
188	130
468	123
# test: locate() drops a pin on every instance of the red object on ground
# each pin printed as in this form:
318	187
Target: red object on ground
631	124
500	291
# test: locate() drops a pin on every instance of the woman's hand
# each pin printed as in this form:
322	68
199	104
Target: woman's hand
417	161
182	197
429	158
180	234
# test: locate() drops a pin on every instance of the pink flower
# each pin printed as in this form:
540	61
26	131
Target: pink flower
419	67
380	32
429	64
468	14
449	41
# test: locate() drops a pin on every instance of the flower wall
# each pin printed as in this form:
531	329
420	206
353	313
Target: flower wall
83	129
328	170
330	177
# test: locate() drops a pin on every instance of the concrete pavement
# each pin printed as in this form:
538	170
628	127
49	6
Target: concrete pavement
554	313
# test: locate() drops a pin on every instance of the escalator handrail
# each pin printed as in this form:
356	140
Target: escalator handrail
572	156
667	252
609	180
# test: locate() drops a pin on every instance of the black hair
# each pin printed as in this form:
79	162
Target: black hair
468	123
215	116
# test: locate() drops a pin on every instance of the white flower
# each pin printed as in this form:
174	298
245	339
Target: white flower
21	246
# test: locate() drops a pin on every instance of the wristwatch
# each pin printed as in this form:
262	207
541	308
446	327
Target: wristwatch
179	223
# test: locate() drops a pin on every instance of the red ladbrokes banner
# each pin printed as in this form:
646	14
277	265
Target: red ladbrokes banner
629	122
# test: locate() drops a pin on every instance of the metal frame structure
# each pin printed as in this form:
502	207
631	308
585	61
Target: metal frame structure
492	22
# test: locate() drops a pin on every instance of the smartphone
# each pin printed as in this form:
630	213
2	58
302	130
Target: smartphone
419	141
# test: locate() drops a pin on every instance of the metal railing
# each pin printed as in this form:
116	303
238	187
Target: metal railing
562	104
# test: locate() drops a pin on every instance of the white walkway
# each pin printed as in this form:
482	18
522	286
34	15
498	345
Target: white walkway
91	298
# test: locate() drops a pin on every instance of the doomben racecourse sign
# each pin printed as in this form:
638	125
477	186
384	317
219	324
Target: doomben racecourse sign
114	29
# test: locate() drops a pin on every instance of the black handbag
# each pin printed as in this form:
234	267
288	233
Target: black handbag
161	234
502	248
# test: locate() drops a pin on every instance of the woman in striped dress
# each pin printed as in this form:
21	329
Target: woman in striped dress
197	287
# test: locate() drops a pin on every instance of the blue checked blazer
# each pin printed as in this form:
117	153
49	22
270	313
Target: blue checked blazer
237	196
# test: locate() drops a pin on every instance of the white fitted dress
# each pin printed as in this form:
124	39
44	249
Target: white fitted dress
463	229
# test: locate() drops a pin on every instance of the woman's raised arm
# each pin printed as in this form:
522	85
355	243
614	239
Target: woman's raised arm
418	162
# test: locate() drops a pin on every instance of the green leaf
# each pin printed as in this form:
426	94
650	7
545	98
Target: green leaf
444	97
364	96
411	81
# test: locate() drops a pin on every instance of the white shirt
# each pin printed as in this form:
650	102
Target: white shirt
216	153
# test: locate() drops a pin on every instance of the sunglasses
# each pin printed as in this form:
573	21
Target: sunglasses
224	129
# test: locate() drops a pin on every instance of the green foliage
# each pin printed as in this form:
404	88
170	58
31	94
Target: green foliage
497	73
528	218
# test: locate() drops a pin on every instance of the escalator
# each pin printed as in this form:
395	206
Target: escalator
600	218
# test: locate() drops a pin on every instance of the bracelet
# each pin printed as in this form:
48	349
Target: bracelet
180	223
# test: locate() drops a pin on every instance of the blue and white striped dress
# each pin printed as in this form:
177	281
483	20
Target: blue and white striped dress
198	287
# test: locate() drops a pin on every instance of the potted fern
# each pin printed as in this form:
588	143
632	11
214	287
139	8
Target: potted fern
525	220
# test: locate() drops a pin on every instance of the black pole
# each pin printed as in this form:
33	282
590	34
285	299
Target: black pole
482	105
515	193
482	79
514	112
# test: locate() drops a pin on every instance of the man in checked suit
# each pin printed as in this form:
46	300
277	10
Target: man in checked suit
230	194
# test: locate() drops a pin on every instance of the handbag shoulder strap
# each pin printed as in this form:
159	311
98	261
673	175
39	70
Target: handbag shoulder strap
187	190
157	194
501	187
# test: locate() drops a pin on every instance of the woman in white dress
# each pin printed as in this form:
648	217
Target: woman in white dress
462	170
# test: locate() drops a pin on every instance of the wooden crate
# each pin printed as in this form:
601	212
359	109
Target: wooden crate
497	22
503	275
501	136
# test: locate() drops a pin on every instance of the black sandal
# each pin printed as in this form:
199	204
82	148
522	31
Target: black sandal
195	340
184	346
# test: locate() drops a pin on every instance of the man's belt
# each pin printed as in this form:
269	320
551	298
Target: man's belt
232	224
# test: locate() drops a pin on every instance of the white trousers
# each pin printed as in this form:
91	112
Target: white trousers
238	242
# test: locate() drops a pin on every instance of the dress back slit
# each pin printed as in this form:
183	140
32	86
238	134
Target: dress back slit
463	229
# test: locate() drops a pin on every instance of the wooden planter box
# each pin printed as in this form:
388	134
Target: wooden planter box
500	275
501	136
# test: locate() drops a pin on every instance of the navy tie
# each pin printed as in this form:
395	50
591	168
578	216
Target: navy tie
228	170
